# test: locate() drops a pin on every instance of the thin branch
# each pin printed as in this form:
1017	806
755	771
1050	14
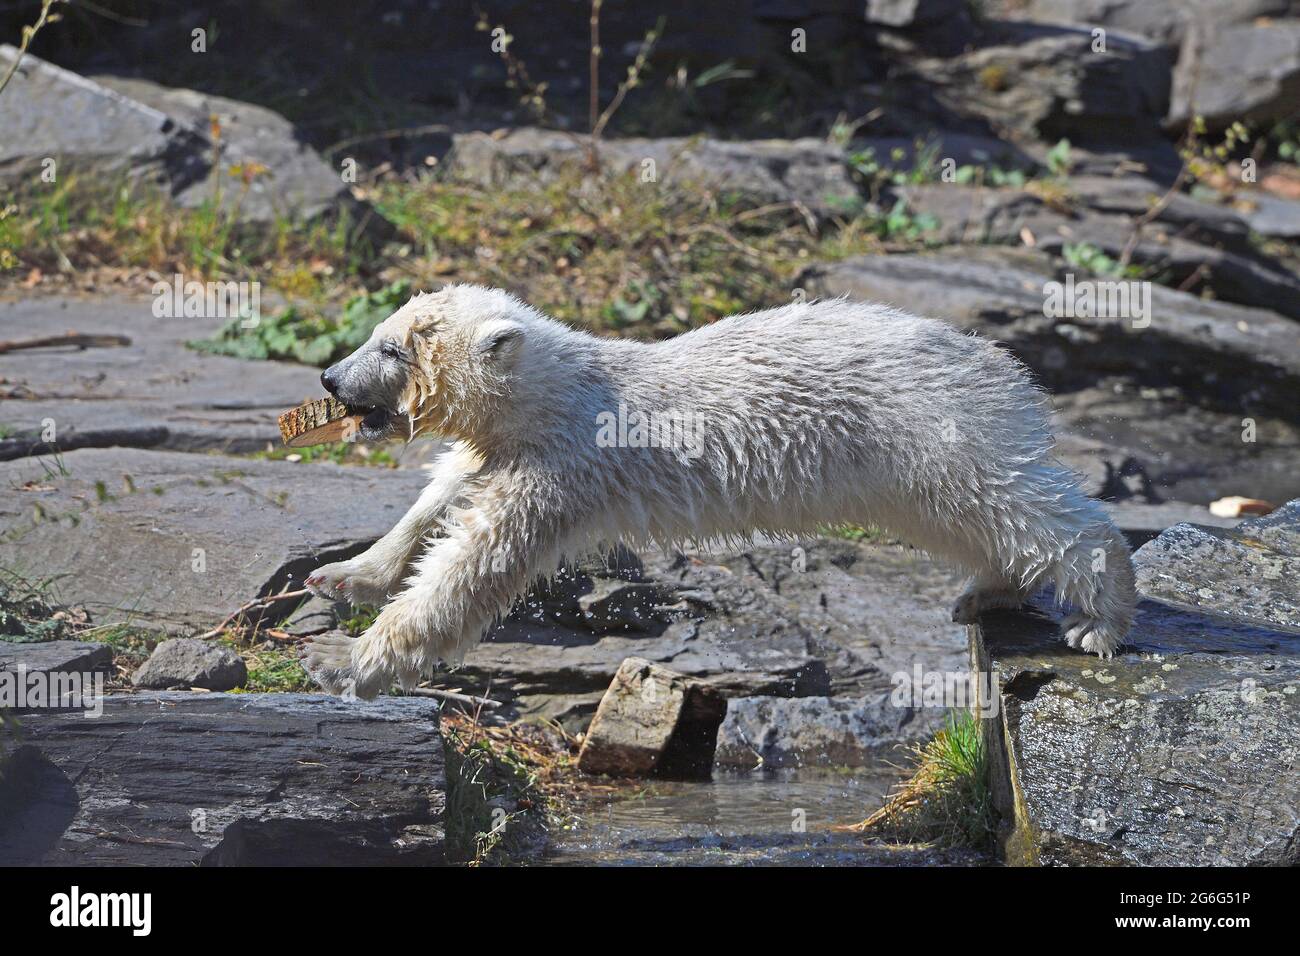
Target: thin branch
78	339
28	34
251	605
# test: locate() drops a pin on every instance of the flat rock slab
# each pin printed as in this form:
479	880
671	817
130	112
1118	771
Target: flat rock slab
153	393
177	779
1180	751
56	657
1003	293
178	541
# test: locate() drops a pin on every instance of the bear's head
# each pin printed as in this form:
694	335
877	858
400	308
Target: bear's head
441	364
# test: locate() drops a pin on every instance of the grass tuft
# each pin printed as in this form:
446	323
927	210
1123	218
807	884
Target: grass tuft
947	800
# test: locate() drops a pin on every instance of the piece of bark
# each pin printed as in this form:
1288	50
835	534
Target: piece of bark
653	720
315	423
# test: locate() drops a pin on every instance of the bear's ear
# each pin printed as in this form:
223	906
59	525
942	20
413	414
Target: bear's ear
499	341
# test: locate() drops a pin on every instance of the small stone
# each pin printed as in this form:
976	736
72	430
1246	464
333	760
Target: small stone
189	662
653	720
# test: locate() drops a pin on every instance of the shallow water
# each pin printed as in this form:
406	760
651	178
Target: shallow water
778	817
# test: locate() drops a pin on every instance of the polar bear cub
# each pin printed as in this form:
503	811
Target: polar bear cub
562	443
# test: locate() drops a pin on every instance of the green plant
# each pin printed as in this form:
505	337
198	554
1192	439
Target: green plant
293	335
947	799
1059	160
901	223
1088	257
272	669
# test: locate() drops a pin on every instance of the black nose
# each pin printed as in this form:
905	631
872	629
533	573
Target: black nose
330	379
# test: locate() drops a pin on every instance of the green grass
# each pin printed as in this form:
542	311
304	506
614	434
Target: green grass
80	223
505	787
947	800
272	669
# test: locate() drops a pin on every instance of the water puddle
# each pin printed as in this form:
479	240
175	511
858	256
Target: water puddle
770	818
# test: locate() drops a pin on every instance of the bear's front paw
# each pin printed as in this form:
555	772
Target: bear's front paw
339	665
347	581
1091	634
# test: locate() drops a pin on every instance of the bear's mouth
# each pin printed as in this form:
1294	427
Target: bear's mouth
376	423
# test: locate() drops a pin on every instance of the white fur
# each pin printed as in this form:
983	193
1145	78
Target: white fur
813	414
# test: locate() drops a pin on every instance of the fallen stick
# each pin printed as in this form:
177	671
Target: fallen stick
256	602
481	702
79	339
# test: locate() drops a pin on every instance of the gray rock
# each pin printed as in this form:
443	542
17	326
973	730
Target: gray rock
809	620
1181	751
983	292
186	662
805	171
616	605
1248	72
1016	82
56	657
1142	522
1249	573
1238	69
1143	446
1273	216
315	616
1165	21
298	184
1114	413
153	393
51	113
781	732
179	540
653	720
111	126
1188	241
175	779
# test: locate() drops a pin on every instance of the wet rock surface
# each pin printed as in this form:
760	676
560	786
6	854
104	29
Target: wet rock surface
176	779
1181	750
808	620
